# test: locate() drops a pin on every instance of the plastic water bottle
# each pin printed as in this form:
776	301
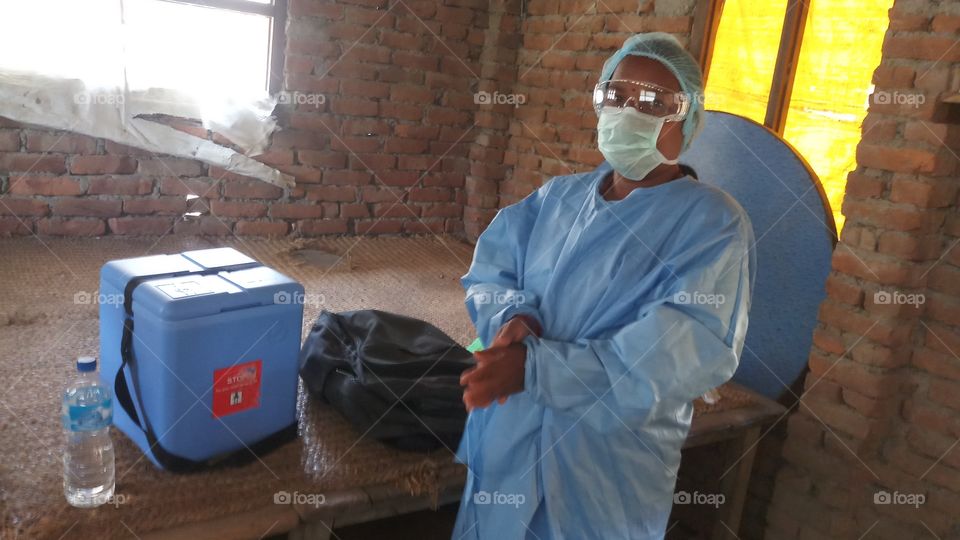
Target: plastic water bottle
87	411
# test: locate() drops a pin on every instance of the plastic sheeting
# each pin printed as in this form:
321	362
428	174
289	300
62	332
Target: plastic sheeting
111	113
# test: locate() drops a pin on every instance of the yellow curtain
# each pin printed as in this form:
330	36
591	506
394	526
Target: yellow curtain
744	57
839	52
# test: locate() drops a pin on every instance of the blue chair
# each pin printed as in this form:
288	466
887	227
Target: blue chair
795	237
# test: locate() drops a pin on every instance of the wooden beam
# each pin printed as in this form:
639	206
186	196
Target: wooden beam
781	88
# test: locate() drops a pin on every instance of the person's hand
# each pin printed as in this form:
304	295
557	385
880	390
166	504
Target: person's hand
497	375
514	330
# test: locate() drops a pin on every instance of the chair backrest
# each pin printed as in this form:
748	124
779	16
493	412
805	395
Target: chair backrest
795	236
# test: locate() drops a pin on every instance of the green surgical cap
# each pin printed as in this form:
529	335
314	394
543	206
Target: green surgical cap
667	50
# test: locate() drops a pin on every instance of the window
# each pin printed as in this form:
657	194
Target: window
215	48
803	69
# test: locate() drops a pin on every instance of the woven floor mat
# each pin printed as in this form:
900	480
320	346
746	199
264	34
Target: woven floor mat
48	317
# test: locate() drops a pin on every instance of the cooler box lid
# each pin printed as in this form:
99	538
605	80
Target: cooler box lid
187	295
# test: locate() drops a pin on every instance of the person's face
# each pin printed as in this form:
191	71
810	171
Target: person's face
643	69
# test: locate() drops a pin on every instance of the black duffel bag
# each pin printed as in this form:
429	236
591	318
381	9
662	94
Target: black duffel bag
363	362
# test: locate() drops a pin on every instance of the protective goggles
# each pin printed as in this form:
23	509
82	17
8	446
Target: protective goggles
647	98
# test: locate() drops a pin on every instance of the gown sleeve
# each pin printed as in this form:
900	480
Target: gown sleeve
676	347
494	283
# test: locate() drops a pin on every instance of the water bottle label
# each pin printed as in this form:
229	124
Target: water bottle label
88	417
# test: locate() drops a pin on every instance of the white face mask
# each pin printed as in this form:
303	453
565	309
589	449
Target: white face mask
628	141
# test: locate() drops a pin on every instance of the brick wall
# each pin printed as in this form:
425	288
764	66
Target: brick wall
878	421
396	146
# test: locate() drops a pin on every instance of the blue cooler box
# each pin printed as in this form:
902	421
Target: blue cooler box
201	350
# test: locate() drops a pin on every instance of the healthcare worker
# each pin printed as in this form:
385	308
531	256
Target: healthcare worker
608	301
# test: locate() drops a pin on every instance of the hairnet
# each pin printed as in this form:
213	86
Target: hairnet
667	50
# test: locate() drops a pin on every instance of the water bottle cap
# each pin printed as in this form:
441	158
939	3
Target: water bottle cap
86	363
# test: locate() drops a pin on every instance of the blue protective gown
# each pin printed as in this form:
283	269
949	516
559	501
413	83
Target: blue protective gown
643	304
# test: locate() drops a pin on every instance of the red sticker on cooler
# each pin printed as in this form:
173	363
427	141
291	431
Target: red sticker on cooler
236	388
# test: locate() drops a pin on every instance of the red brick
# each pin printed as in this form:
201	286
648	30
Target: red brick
60	143
381	226
921	47
433	226
207	226
395	210
316	227
364	89
844	289
353	178
141	226
251	190
71	227
11	226
44	185
237	209
111	185
111	164
203	187
159	206
375	162
416	61
353	107
299	139
945	393
907	160
323	158
33	163
22	207
450	210
357	210
864	186
885	215
848	374
430	195
946	23
9	140
927	194
87	207
412	94
416	131
405	146
331	193
296	211
170	166
401	111
900	20
261	228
